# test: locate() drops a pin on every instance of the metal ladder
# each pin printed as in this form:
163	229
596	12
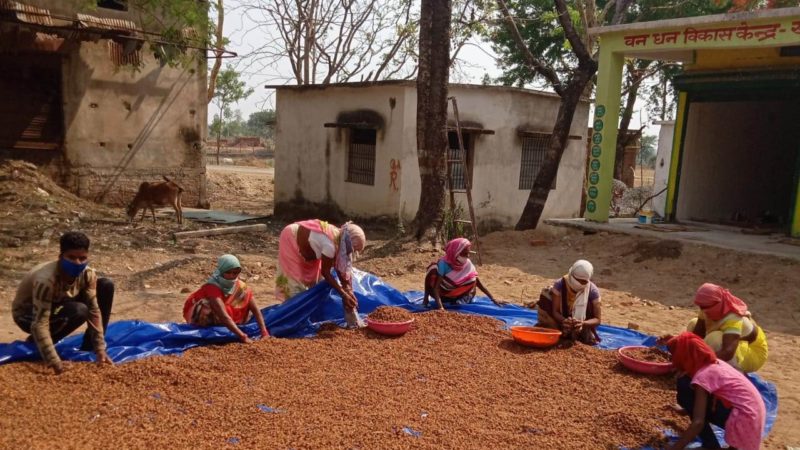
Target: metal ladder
467	182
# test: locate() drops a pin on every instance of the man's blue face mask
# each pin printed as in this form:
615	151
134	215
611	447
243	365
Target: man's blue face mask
72	269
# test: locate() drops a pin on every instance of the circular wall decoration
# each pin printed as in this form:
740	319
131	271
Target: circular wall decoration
600	111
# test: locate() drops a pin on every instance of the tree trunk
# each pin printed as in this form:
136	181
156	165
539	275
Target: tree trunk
637	73
622	132
212	77
558	142
580	77
219	130
432	78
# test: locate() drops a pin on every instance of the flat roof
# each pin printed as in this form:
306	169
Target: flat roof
699	20
410	83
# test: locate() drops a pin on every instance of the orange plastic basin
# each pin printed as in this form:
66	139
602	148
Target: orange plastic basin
535	336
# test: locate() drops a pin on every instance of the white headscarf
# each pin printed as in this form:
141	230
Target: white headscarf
357	237
581	270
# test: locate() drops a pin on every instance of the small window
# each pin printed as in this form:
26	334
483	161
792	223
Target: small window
534	149
361	157
119	5
457	172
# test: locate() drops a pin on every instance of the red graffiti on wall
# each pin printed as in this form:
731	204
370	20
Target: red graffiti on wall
394	165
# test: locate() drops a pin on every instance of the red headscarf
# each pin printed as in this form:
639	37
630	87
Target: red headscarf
453	249
717	302
690	352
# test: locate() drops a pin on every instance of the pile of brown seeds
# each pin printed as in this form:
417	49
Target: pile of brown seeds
390	314
455	381
650	354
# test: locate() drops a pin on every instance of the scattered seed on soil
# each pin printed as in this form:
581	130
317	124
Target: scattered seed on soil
390	314
650	354
462	384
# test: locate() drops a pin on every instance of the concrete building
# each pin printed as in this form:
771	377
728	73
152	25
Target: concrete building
353	146
735	155
72	102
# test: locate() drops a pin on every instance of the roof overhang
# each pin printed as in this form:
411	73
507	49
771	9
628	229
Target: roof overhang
470	130
352	125
540	133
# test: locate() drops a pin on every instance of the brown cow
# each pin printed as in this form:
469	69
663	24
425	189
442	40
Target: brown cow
161	193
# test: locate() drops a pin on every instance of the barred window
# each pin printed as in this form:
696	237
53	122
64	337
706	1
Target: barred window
457	172
361	157
534	149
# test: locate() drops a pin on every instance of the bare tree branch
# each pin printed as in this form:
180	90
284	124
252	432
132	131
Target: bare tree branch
326	41
390	55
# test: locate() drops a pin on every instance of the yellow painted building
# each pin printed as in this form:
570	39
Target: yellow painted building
736	148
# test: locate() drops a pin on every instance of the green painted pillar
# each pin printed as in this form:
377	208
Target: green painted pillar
604	138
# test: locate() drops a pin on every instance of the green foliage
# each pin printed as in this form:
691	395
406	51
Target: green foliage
539	27
538	24
258	123
647	154
175	29
261	123
229	90
659	95
450	228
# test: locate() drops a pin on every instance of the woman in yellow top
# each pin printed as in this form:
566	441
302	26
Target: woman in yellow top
727	327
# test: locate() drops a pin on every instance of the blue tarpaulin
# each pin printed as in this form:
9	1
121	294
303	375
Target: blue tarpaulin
302	316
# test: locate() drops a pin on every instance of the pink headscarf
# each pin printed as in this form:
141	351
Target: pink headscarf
453	249
717	302
462	272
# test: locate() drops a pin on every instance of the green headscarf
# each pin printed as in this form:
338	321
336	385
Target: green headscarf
224	264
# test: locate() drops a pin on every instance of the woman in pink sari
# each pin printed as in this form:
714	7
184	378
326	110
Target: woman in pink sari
309	250
453	278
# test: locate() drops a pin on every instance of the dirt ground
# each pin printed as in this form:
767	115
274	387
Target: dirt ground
646	283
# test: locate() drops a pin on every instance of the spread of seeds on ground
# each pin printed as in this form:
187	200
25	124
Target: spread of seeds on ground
462	383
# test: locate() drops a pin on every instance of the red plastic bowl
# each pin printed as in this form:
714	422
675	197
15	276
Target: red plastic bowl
535	336
645	367
389	328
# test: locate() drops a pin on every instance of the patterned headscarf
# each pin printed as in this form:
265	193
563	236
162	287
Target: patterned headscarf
717	302
343	263
453	249
690	352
